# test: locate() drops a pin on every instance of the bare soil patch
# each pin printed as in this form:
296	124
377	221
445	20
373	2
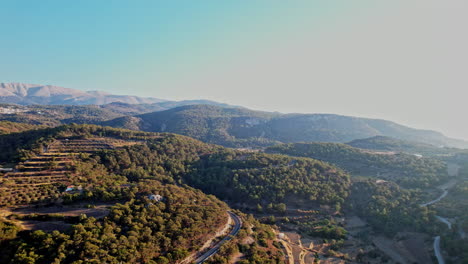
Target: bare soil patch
99	211
355	222
47	226
417	246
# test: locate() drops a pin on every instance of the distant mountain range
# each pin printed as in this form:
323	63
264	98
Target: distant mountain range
205	120
34	94
27	94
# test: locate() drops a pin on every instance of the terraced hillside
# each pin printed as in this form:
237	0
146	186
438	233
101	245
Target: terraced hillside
44	177
119	172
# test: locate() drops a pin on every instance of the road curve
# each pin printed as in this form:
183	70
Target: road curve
436	200
445	189
439	256
444	220
237	226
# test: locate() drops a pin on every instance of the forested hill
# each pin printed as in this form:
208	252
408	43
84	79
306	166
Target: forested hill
7	127
258	178
55	115
225	126
405	169
125	168
247	128
230	174
381	143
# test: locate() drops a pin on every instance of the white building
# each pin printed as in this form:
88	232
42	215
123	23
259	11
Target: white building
155	197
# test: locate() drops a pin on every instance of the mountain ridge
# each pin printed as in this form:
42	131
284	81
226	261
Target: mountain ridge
27	94
214	122
236	127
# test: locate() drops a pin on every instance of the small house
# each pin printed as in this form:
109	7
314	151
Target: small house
72	188
155	197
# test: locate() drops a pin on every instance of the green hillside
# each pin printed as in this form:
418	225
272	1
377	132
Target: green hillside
405	169
7	127
55	115
122	168
236	127
381	143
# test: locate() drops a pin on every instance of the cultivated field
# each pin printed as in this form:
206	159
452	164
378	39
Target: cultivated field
45	177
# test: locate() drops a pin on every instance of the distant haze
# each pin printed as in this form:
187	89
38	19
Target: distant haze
404	61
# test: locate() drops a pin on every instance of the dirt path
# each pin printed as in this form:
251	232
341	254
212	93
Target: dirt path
297	250
386	245
98	211
288	249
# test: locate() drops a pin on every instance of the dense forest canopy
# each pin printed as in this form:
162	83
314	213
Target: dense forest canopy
388	208
405	169
135	164
7	127
262	178
137	229
381	143
253	177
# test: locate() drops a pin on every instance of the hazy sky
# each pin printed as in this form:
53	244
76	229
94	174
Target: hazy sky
401	60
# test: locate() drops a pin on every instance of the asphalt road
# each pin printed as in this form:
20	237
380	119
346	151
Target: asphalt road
437	252
439	256
445	221
436	200
214	250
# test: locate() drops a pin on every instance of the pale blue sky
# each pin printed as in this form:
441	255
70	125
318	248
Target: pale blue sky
400	60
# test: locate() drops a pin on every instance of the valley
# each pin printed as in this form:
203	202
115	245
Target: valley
89	193
311	202
233	132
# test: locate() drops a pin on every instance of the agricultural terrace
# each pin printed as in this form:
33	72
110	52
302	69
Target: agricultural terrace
45	177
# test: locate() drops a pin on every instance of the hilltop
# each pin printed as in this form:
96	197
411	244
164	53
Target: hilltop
55	115
389	144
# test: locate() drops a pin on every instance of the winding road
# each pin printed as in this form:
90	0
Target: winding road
237	226
439	256
436	200
445	221
445	189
